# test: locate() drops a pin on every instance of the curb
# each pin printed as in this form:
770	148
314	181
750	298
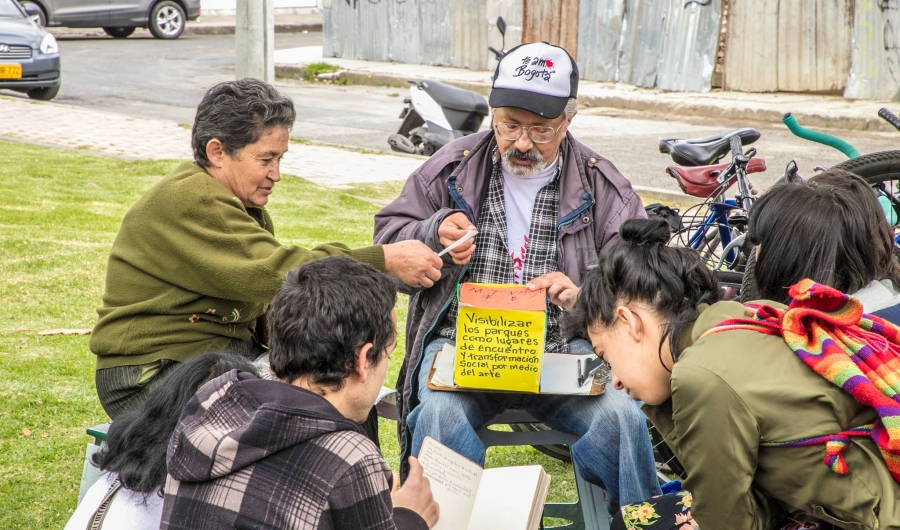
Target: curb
226	29
647	103
699	109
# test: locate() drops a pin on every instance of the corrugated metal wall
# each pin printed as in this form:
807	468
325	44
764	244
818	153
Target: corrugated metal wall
551	21
436	32
788	45
511	11
875	71
355	30
599	32
468	20
752	44
771	45
688	55
641	42
666	43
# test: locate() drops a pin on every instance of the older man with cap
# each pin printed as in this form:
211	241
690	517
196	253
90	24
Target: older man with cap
544	206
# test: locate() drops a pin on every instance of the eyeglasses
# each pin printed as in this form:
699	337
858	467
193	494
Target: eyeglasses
539	134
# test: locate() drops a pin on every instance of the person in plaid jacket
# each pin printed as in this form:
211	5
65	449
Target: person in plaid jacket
250	453
544	206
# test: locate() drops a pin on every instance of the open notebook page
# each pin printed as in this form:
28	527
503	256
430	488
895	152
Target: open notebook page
508	497
454	483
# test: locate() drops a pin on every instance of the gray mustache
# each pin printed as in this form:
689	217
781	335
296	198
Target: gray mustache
532	154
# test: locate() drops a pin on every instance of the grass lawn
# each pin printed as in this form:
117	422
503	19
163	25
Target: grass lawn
59	213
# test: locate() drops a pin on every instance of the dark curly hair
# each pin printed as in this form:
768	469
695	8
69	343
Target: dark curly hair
136	442
323	313
238	113
674	281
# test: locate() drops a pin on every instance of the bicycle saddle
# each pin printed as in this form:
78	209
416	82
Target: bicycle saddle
700	181
705	151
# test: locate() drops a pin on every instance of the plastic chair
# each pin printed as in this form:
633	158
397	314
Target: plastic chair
90	473
589	512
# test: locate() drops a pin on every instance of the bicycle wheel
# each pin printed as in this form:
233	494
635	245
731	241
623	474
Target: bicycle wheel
748	284
882	171
874	167
666	461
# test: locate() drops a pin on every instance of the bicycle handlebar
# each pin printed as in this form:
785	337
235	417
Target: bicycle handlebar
819	137
890	117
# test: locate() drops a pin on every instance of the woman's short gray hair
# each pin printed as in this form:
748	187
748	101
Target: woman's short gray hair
238	113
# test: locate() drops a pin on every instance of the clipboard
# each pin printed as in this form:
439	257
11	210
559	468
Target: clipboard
595	388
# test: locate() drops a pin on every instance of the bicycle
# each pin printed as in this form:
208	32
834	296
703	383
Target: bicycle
880	169
726	219
716	227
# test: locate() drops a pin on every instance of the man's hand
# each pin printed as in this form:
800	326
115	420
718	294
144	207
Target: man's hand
560	288
413	262
415	494
453	228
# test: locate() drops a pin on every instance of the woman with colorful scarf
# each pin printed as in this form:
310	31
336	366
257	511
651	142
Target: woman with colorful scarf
763	428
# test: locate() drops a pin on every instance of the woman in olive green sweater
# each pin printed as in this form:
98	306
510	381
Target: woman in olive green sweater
195	263
719	400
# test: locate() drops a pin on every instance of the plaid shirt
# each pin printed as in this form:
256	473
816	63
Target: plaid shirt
493	261
255	454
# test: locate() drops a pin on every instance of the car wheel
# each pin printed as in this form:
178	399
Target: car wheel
119	32
44	94
41	17
167	20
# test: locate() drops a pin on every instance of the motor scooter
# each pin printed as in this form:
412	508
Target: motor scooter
437	113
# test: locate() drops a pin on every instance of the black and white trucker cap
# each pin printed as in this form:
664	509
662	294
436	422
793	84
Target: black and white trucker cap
538	77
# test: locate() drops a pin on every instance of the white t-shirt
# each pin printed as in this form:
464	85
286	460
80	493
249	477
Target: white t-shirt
127	511
519	194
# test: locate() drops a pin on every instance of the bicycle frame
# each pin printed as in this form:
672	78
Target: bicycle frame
722	207
718	217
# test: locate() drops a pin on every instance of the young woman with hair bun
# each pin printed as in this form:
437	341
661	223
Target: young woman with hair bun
727	400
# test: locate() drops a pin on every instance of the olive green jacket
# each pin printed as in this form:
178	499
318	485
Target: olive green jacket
734	390
191	269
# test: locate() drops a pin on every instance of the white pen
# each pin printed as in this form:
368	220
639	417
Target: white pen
469	235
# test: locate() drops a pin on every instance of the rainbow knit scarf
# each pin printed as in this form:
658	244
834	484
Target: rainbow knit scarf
859	353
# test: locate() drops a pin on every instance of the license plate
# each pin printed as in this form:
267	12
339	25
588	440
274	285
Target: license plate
10	71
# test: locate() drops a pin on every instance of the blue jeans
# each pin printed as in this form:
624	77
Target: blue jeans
613	449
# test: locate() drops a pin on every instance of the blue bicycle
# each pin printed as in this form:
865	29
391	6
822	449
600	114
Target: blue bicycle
716	227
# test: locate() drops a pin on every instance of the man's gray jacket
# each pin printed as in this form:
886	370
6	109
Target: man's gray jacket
594	200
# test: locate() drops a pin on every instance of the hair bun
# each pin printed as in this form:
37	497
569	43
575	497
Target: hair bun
645	231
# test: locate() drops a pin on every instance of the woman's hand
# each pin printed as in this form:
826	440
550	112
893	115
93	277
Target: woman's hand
413	262
561	290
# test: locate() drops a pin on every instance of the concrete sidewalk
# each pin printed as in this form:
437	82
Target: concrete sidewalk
119	136
214	25
809	109
224	25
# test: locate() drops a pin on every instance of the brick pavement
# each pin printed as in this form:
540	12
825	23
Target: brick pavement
121	136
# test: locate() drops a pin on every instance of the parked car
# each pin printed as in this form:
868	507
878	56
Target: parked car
119	18
29	56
